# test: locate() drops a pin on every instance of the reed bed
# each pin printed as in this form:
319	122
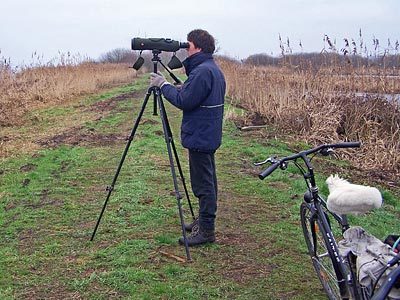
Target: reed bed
41	86
315	105
321	106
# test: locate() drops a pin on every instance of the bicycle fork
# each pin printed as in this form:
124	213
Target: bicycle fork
319	218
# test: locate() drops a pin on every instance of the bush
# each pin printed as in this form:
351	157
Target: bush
117	56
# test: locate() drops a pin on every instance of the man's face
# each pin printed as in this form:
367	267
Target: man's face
192	49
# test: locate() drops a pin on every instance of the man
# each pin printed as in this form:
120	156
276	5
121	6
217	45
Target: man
201	98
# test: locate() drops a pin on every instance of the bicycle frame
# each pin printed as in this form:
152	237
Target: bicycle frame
318	209
347	279
320	215
385	289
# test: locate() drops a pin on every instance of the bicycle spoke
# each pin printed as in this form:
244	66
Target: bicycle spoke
323	255
331	273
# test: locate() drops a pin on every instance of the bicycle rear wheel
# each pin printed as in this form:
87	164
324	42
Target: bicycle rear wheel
322	255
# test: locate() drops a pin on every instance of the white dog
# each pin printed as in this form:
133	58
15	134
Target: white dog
347	198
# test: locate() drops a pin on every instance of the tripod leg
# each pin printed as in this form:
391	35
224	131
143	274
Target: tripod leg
182	178
130	138
177	161
155	105
168	139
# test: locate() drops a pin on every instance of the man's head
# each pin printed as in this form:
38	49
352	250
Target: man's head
200	40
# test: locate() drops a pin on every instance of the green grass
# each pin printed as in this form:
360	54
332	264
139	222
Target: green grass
51	199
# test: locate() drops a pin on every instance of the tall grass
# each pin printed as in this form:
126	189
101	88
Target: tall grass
322	105
46	84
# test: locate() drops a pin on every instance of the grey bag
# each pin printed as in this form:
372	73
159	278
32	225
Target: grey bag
372	257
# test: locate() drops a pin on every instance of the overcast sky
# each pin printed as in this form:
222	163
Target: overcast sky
242	28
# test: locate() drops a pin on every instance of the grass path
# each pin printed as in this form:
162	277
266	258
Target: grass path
52	191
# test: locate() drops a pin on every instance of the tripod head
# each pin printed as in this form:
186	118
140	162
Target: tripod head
173	64
156	59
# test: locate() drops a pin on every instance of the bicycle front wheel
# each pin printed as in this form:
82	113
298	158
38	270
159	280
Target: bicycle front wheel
322	256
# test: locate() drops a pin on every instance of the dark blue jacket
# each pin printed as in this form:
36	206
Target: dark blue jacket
201	98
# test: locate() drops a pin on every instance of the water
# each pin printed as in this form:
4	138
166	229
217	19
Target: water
388	97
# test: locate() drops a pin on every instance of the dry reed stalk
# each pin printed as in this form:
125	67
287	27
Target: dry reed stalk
321	106
37	87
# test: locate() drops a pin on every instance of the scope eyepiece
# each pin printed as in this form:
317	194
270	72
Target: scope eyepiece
184	45
160	44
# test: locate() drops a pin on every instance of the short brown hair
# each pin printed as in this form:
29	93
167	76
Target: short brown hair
202	39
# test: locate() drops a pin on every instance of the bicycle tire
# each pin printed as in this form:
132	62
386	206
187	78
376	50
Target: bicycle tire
321	254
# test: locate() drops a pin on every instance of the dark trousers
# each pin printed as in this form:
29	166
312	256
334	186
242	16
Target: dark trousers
204	185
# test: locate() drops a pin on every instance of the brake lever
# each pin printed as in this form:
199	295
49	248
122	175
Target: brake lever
283	165
327	151
268	160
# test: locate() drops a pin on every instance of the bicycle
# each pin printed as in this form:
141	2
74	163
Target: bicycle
337	274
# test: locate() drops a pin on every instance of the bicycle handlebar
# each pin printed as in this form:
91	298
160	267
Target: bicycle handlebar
276	163
268	170
344	145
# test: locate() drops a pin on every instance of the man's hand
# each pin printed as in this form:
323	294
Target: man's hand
157	79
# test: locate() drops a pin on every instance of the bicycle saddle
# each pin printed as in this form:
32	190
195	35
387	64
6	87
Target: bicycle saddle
347	198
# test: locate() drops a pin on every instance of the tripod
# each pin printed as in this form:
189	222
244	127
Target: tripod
172	153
